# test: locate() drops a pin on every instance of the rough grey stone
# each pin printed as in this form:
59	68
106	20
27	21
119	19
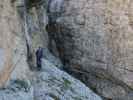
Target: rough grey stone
54	83
2	58
48	84
95	36
17	91
51	58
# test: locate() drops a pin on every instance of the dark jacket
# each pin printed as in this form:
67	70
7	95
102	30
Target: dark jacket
39	55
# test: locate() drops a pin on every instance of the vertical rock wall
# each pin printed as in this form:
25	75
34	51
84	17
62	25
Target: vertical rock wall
96	36
11	42
13	48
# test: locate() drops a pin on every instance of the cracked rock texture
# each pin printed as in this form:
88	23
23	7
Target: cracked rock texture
58	85
96	36
12	43
93	39
17	81
13	47
49	84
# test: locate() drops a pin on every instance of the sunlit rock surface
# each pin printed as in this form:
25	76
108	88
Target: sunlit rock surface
12	43
95	36
57	84
13	47
49	84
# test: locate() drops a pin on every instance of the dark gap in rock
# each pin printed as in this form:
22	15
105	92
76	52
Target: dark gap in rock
33	3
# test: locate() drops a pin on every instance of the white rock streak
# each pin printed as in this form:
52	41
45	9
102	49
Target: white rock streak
55	5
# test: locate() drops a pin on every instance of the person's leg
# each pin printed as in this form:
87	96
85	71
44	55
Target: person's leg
39	65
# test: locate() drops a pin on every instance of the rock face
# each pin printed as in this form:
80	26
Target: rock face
56	84
23	28
13	45
49	84
95	36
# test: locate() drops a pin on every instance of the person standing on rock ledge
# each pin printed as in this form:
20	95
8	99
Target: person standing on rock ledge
39	56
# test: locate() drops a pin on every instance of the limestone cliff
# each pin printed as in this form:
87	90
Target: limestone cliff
22	31
93	39
12	44
15	34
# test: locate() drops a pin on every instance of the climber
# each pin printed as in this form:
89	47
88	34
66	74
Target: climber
39	55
